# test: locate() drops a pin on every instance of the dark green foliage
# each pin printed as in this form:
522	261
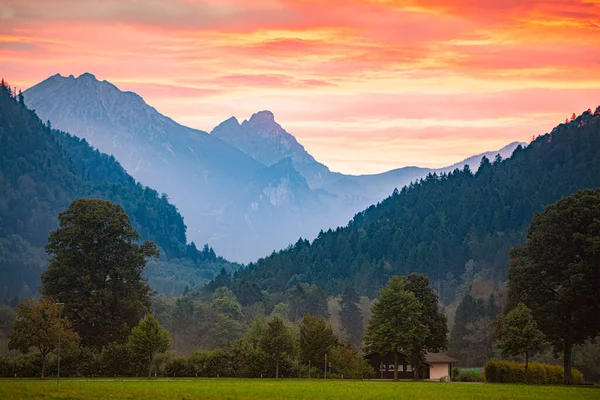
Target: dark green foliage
316	340
471	336
147	340
351	316
277	343
96	270
517	334
556	273
348	363
396	324
431	317
42	171
541	374
468	375
435	226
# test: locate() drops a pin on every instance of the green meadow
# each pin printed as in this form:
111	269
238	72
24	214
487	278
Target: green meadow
166	389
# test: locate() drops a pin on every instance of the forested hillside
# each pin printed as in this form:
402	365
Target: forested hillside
43	170
441	223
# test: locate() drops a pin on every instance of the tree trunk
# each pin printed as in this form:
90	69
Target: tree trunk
395	365
43	366
526	364
150	369
277	369
567	362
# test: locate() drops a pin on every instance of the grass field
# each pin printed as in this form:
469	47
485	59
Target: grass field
166	389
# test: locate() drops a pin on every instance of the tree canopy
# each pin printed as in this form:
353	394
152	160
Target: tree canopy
556	273
37	326
396	322
96	270
351	316
148	339
517	333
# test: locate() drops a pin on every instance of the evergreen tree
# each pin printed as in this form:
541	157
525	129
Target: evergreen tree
423	227
316	339
350	315
277	342
431	317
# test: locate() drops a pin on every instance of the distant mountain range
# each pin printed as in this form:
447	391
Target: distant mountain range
454	227
246	189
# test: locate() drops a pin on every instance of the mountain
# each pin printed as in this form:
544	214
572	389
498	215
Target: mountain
266	141
452	226
211	182
262	138
42	170
233	186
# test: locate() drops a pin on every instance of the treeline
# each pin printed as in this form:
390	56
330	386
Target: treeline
437	225
42	170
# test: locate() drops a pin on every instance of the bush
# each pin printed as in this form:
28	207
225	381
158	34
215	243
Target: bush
469	375
455	374
7	367
497	371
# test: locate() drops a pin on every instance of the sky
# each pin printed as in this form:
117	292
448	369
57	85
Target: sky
364	85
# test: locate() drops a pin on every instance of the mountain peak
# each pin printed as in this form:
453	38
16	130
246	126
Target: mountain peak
262	117
87	75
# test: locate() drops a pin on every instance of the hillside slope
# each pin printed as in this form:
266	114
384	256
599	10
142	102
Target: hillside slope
42	170
214	185
444	222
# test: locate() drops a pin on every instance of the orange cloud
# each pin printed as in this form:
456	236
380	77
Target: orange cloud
347	76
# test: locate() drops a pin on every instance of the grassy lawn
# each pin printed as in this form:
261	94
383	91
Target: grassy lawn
165	389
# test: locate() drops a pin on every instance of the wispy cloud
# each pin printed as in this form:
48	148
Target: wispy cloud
365	84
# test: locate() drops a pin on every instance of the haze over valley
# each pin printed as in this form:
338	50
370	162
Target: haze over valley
246	189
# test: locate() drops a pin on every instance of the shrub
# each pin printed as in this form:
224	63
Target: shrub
455	374
7	367
541	374
469	375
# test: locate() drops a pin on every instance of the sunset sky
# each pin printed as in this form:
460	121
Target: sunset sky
365	85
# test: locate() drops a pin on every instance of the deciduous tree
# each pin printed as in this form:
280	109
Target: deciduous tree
148	339
556	273
96	270
517	333
396	322
37	326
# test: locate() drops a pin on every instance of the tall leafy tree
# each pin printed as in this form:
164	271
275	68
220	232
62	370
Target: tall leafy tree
431	317
37	326
517	334
316	339
96	270
277	342
350	315
148	339
396	322
556	273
